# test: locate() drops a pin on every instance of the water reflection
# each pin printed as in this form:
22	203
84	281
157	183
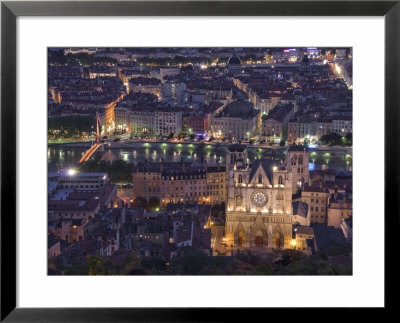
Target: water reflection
61	156
125	156
57	156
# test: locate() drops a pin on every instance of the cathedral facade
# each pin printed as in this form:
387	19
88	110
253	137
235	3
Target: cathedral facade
259	197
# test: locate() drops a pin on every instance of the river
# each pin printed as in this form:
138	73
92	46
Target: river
67	156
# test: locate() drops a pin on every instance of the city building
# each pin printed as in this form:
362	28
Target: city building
156	120
179	182
274	125
238	119
340	208
342	125
162	73
199	124
122	119
285	55
216	184
102	71
323	127
145	85
234	65
174	93
168	121
303	234
82	181
301	128
317	198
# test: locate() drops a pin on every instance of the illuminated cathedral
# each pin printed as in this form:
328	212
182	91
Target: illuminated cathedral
259	197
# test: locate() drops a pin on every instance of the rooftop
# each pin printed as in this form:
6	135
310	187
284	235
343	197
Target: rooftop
266	164
300	209
239	109
304	230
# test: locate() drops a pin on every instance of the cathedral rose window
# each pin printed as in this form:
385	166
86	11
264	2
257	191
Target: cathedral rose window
260	198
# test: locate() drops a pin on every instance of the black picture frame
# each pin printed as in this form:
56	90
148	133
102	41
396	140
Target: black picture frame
10	10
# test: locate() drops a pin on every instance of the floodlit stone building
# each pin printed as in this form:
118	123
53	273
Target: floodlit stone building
259	198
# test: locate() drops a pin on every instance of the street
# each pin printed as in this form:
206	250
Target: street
217	233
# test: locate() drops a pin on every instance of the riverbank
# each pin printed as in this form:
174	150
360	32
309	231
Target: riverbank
127	144
68	155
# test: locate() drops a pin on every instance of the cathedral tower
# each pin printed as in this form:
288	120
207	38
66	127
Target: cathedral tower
297	161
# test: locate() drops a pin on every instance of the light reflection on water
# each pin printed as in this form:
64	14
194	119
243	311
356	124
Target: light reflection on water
58	156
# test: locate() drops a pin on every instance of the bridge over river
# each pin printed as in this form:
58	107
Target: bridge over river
97	146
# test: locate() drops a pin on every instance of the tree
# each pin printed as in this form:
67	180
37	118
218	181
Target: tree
171	135
99	266
71	125
262	269
340	249
331	139
289	256
154	203
78	268
349	139
124	265
153	264
56	57
137	270
282	143
119	171
140	203
191	261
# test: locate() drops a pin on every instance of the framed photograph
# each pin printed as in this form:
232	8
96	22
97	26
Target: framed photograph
162	158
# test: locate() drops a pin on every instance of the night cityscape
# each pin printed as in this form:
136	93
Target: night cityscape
200	161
